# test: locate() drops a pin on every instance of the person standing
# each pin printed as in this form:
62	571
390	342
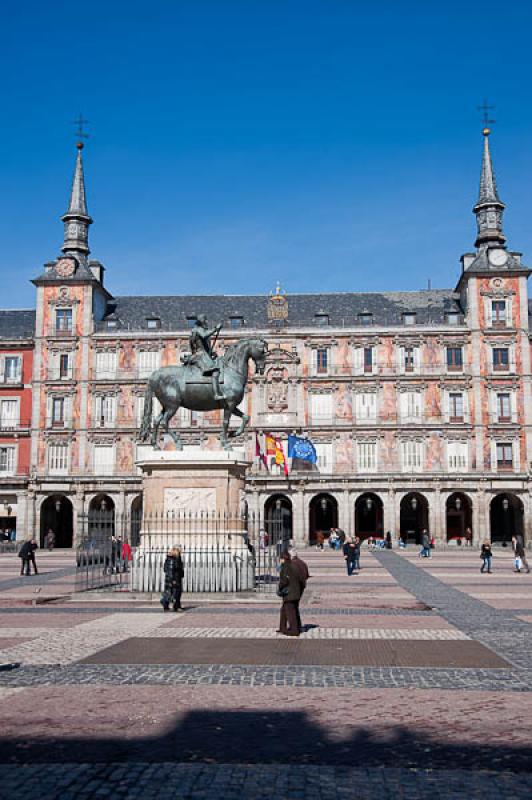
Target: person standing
349	555
27	554
304	575
320	538
290	591
389	543
425	544
486	556
519	553
173	580
50	540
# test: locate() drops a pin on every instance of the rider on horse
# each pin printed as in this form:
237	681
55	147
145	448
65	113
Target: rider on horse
203	355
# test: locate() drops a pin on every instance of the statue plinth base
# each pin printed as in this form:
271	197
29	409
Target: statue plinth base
193	481
194	499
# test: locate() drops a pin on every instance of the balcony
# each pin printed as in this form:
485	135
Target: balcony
58	374
11	380
503	419
58	423
9	425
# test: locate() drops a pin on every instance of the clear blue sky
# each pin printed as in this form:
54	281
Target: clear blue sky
332	144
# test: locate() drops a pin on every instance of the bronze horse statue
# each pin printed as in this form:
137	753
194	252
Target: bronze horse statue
185	387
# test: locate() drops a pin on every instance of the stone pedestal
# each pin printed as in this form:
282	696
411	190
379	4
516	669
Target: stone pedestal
195	500
194	481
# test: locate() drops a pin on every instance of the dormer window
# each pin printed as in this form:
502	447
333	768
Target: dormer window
409	318
191	321
236	322
321	319
111	323
453	318
365	318
153	323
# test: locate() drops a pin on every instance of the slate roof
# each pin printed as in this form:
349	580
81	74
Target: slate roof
343	309
17	323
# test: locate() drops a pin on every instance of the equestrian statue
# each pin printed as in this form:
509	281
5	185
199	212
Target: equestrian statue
204	382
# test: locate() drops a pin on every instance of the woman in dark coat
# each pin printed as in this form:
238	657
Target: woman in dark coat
290	585
173	580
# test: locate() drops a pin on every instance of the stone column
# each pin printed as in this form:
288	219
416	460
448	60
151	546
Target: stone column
299	523
388	517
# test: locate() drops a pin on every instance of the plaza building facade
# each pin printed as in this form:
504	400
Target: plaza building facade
418	403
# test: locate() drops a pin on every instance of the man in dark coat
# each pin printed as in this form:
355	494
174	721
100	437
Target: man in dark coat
350	555
519	551
27	554
173	580
304	574
290	584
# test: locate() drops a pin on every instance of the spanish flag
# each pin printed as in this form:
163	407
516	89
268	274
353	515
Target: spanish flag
275	448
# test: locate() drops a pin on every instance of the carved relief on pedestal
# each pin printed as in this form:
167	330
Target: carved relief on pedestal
189	501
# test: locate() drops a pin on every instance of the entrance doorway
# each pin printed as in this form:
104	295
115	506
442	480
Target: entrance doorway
8	518
57	514
323	515
101	518
414	517
459	517
135	521
278	519
368	516
506	518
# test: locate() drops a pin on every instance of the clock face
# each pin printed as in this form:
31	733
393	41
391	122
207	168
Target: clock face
498	257
65	267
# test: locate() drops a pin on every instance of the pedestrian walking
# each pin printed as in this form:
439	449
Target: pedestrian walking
304	575
350	555
486	556
469	537
357	544
50	540
290	592
174	573
518	545
425	544
27	554
389	543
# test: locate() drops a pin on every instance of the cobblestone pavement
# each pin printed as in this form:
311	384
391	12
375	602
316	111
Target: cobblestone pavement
228	730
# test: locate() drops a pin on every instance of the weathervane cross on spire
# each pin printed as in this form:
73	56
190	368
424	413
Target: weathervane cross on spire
485	109
80	132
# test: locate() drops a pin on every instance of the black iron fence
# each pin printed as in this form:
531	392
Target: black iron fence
220	553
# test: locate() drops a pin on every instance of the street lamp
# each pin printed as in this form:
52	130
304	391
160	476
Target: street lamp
458	504
413	503
505	506
369	503
323	504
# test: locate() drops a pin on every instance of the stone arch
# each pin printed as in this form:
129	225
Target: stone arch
278	515
506	518
413	517
57	512
369	510
323	515
459	518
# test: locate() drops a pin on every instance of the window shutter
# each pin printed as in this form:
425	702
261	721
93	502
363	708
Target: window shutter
417	358
359	360
487	311
314	361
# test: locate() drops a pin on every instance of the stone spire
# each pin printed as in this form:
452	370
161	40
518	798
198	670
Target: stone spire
77	219
488	209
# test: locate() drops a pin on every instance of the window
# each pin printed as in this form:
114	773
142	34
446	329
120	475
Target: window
104	459
324	453
409	359
504	407
412	456
322	361
366	406
58	411
58	458
106	361
64	366
148	361
501	359
322	320
453	318
9	414
111	323
63	320
155	409
498	313
504	456
365	318
153	323
456	407
194	419
409	318
410	406
7	460
455	360
457	456
367	456
321	408
105	410
368	359
236	322
12	369
191	321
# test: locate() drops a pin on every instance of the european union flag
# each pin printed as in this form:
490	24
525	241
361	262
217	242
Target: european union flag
302	449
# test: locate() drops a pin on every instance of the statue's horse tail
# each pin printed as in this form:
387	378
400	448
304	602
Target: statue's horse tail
145	427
